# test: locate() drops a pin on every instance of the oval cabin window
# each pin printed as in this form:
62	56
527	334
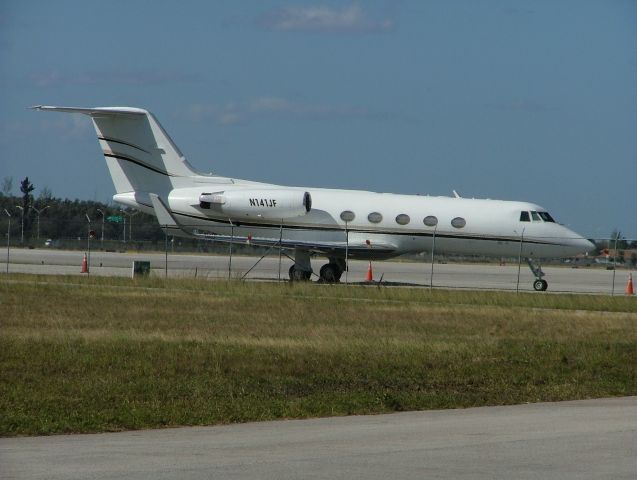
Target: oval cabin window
458	222
375	217
430	221
402	219
347	216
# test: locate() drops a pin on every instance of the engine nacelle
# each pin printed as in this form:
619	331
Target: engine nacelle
264	204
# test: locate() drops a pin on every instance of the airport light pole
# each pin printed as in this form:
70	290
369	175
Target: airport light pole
102	237
22	229
8	237
38	212
130	224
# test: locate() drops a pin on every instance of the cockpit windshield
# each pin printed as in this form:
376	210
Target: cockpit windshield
536	217
546	217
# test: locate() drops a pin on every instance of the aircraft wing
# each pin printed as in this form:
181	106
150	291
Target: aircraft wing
353	249
171	226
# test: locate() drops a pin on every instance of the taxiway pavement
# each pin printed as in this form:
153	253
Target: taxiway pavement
452	275
589	439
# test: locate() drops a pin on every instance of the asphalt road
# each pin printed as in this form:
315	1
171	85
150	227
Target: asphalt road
475	276
590	439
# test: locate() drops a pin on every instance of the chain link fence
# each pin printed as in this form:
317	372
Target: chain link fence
112	248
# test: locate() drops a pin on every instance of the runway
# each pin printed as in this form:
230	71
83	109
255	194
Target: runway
453	275
590	439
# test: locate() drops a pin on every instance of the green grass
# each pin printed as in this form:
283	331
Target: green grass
106	354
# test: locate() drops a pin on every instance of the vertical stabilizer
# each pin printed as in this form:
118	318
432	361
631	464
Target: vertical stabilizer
140	155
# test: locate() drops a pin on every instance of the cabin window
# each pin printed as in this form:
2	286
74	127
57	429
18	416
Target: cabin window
347	216
375	217
546	217
536	217
458	222
402	219
430	221
524	217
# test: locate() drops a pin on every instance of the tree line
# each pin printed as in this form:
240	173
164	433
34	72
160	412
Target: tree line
57	218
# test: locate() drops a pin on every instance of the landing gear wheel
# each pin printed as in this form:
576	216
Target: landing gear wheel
297	275
540	285
330	273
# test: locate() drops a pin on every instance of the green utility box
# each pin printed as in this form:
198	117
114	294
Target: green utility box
141	268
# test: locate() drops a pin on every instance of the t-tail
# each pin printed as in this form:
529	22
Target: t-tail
140	155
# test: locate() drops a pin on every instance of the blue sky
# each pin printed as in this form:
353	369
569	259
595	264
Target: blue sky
515	100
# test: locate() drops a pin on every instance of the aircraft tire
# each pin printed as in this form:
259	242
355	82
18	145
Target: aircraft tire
297	275
330	273
540	285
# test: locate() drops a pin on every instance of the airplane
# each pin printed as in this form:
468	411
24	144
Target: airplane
151	174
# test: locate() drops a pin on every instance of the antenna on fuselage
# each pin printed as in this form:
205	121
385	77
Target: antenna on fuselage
456	194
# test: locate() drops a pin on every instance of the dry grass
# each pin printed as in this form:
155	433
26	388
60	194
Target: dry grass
108	354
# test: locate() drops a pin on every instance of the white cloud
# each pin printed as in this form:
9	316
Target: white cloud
67	126
64	126
50	78
233	113
350	19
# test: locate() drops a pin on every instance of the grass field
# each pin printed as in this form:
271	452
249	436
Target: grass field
106	354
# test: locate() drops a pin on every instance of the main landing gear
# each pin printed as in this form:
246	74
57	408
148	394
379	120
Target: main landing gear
298	275
301	271
331	272
539	284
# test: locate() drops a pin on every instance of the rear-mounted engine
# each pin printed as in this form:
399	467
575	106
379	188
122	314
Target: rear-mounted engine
266	204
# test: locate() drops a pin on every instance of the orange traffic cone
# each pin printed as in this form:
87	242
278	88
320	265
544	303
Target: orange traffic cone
629	286
84	265
370	275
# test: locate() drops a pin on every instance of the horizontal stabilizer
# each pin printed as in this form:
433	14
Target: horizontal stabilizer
92	111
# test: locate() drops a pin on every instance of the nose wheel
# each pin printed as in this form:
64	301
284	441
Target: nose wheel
540	285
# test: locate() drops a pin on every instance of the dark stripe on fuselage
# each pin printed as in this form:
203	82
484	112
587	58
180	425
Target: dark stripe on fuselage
108	139
359	230
121	156
334	229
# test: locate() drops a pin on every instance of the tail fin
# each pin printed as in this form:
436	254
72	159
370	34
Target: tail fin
140	155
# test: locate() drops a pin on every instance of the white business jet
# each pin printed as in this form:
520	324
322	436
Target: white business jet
151	174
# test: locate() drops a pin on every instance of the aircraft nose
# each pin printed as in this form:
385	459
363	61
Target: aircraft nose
581	245
588	246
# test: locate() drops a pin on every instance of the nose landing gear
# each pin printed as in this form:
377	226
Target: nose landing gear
539	285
